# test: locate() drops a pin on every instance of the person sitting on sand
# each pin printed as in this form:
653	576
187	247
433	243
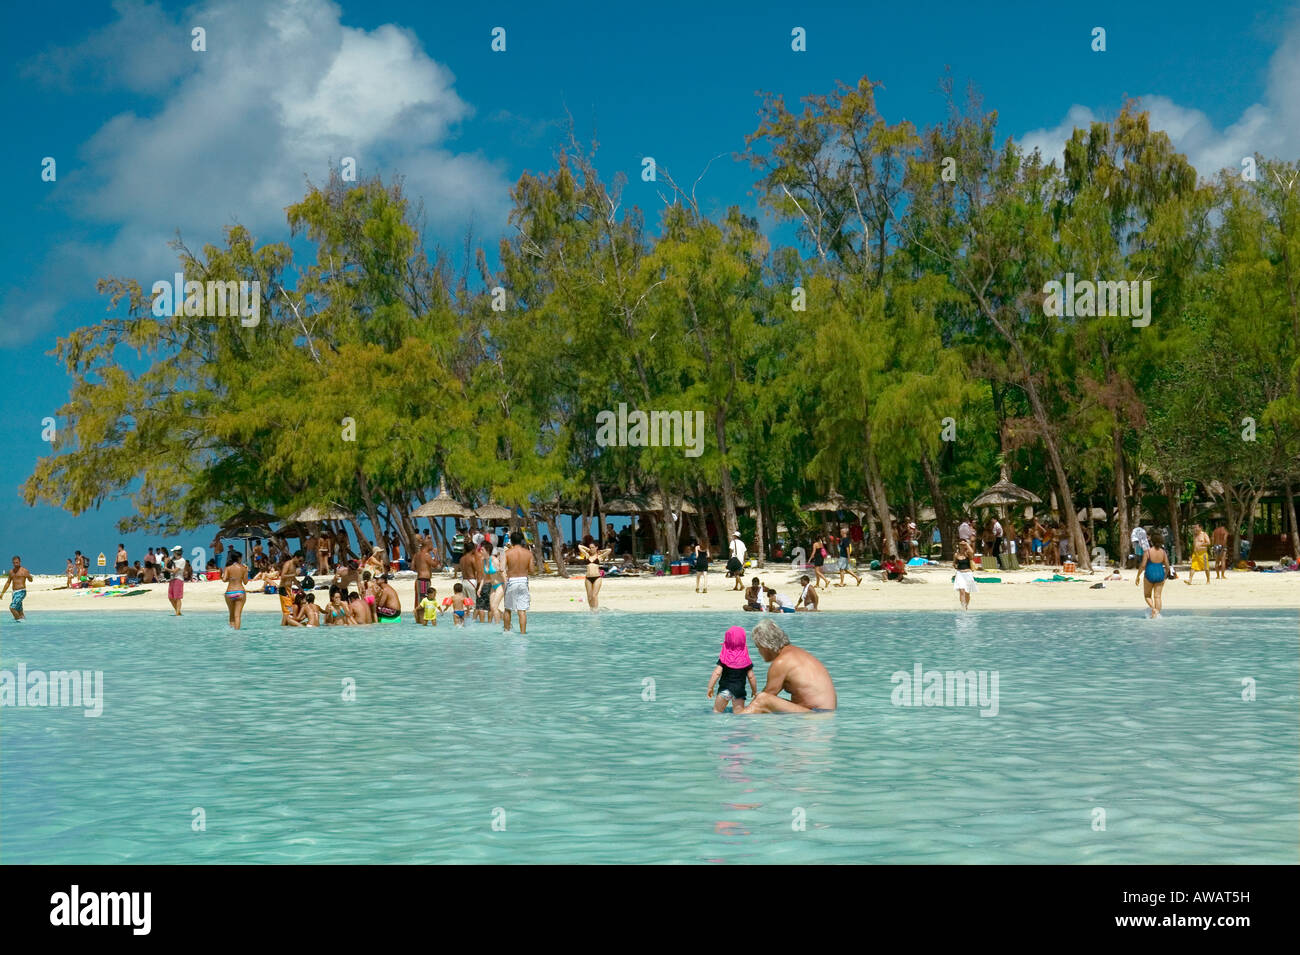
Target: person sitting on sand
733	669
754	596
893	568
808	600
792	670
779	603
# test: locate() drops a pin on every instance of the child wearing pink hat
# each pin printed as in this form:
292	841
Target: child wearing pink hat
734	667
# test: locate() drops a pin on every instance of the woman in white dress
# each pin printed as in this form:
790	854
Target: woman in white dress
964	582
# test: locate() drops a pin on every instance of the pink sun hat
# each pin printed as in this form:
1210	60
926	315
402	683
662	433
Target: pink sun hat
734	652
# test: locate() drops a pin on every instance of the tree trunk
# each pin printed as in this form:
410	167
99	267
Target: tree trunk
552	519
758	515
1290	521
1175	523
538	560
879	500
356	529
728	491
942	513
395	516
371	511
1234	525
1044	427
1121	499
600	513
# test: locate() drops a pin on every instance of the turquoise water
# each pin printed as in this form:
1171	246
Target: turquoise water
1144	719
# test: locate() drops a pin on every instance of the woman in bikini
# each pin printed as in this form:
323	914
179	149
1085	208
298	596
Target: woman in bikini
593	577
235	574
495	571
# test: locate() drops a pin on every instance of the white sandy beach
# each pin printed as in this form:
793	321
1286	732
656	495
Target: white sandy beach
932	590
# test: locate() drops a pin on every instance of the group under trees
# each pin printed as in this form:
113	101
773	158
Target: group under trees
898	351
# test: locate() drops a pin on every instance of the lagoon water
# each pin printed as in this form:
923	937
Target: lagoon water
591	740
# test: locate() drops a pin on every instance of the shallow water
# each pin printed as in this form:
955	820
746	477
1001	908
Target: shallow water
553	738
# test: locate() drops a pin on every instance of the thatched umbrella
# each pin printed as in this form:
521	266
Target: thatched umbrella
441	506
835	501
654	504
314	515
493	512
1003	493
444	505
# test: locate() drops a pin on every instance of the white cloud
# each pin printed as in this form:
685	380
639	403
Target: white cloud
1270	127
283	92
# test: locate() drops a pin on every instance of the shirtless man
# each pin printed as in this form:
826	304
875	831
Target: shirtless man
422	564
471	570
19	578
289	569
519	564
388	606
1200	554
793	670
808	600
347	575
1220	551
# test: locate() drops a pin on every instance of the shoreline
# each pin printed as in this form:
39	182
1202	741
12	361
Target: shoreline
932	590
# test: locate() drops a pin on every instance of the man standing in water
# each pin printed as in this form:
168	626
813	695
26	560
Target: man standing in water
519	564
793	670
19	577
422	564
176	586
471	570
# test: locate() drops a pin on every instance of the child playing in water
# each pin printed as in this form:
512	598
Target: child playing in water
429	607
734	666
458	603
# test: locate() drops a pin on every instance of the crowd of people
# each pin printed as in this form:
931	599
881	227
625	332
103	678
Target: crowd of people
493	572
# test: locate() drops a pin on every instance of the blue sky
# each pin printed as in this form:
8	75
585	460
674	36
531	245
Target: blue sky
151	137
